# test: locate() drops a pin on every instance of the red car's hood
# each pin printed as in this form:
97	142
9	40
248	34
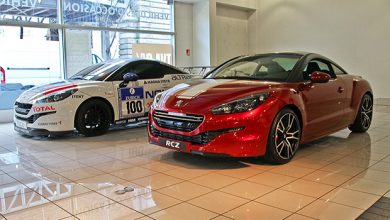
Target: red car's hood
203	94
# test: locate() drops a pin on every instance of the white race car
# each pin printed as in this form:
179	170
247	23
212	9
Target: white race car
112	92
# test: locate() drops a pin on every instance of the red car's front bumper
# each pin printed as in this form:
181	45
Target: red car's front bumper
236	135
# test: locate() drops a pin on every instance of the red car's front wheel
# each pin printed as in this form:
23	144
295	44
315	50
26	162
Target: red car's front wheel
364	116
284	137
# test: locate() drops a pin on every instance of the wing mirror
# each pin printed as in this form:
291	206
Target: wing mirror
319	77
130	77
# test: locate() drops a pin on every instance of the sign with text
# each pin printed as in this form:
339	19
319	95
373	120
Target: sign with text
134	14
161	52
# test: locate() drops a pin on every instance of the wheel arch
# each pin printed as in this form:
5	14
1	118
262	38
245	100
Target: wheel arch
99	99
359	101
295	102
361	87
370	94
297	111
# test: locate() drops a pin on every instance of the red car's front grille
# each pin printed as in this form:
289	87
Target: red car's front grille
177	121
197	139
202	138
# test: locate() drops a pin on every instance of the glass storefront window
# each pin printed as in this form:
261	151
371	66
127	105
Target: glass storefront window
92	31
36	11
30	56
87	47
125	14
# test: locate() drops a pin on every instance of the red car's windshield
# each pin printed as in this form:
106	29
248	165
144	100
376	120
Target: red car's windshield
275	67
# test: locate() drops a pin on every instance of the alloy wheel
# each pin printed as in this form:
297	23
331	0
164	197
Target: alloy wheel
366	112
287	136
93	117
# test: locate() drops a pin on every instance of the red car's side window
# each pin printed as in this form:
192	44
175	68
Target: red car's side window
337	70
317	65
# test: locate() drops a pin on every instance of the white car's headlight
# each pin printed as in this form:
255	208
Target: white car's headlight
242	105
59	96
157	98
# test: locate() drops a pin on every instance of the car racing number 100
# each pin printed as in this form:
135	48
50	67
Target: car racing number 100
131	102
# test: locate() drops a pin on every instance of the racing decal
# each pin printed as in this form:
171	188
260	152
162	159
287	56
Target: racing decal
53	87
181	77
43	108
49	86
109	93
50	123
132	120
77	96
54	90
157	81
131	102
152	94
195	90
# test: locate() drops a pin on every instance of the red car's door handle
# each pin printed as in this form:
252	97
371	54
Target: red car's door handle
341	89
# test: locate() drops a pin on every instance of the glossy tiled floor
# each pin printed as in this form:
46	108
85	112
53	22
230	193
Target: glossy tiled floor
337	177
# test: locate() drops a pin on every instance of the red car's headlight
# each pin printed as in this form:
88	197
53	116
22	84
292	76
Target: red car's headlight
241	105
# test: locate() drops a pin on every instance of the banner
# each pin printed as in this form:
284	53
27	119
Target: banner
160	52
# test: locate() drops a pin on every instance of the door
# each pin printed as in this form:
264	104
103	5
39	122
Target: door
324	102
349	112
135	98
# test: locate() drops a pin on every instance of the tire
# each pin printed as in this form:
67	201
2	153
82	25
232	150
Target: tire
93	118
364	116
284	137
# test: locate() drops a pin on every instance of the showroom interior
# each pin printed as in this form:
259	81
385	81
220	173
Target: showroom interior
54	53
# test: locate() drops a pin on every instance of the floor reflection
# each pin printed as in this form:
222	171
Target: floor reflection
75	177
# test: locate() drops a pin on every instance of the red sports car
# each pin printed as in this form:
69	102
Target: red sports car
261	105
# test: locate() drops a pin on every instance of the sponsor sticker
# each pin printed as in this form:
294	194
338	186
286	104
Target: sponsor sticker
77	96
38	109
132	120
181	77
50	123
157	81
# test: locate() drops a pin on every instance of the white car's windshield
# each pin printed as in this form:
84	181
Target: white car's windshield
99	71
275	67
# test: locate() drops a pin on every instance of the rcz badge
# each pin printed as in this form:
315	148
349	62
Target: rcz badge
172	144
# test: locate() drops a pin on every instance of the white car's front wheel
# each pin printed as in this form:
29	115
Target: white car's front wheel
93	118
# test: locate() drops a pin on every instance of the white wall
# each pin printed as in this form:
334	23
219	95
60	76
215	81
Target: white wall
201	33
243	4
354	33
183	30
231	32
230	21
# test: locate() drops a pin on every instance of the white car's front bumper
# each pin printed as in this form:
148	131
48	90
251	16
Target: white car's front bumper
43	119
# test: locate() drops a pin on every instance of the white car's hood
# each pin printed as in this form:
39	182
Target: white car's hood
47	89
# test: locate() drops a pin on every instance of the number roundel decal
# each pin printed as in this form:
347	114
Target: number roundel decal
131	102
135	107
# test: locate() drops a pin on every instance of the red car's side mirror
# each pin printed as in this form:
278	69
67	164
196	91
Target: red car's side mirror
319	77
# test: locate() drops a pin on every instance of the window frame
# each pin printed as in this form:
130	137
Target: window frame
338	67
328	63
212	74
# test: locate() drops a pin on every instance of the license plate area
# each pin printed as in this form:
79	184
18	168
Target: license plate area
177	145
21	124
